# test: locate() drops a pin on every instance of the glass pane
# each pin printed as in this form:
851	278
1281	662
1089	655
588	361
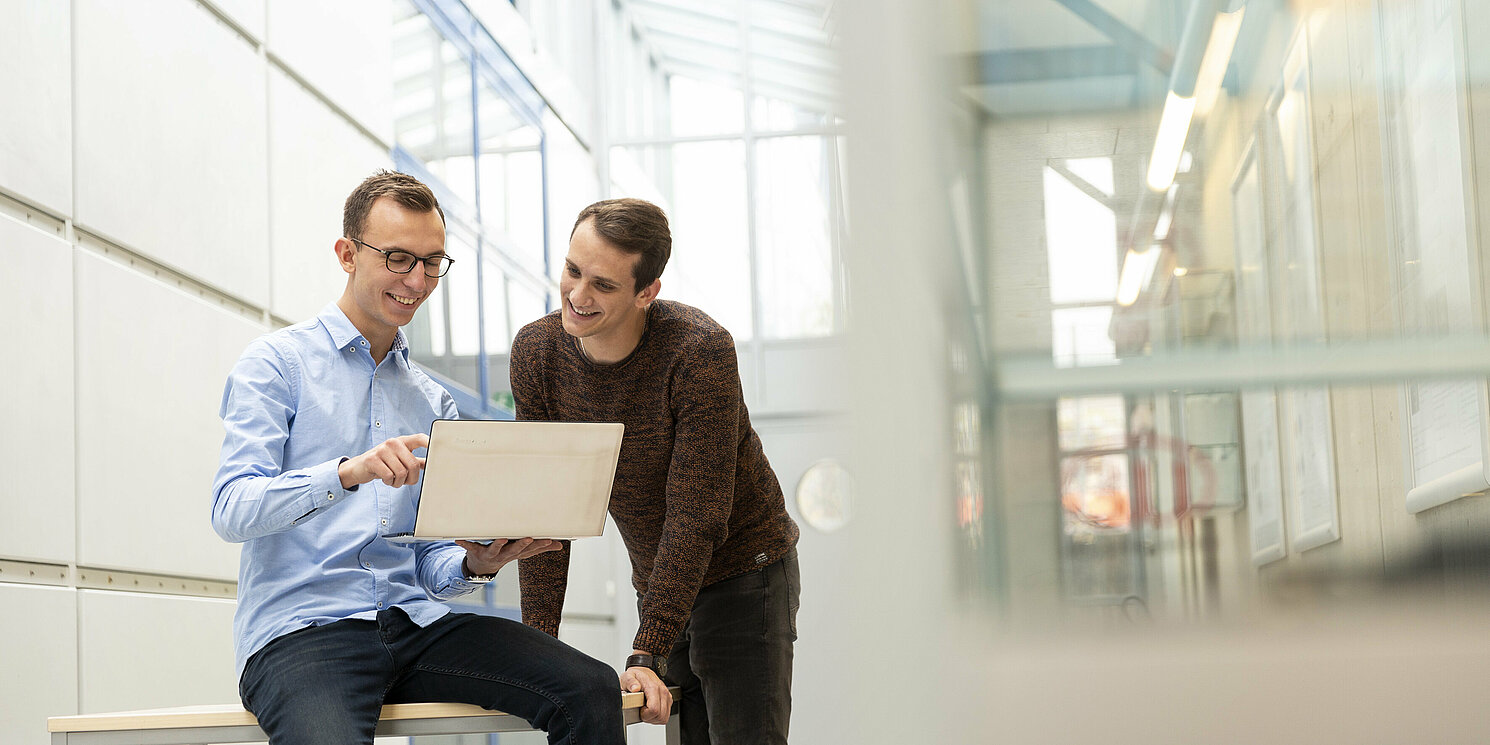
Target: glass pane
794	251
702	188
447	340
700	107
527	304
432	113
1092	423
572	186
511	180
494	299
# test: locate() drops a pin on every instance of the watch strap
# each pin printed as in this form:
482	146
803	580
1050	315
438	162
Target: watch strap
653	662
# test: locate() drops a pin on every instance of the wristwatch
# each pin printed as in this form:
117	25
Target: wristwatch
655	663
475	579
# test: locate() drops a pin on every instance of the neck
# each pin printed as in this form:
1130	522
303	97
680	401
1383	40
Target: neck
617	347
379	339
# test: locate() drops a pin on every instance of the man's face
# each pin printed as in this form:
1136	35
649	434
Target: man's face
382	299
598	288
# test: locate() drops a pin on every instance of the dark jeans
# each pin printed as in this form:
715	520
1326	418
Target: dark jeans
325	685
733	660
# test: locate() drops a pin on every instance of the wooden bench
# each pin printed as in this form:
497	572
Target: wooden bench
200	725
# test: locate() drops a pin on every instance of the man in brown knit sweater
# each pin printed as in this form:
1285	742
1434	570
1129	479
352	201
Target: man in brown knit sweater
712	548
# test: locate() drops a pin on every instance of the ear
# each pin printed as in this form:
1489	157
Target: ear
648	293
346	255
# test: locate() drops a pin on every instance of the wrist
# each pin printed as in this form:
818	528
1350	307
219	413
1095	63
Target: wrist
655	662
471	575
344	474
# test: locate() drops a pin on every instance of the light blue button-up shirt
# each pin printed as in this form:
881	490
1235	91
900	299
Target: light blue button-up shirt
297	402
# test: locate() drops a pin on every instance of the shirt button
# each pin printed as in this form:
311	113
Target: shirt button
367	564
377	424
385	522
380	603
329	495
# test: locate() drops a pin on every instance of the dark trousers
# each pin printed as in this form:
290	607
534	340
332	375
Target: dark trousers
325	685
733	660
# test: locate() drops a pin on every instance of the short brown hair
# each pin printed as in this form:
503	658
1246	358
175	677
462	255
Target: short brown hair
635	226
409	192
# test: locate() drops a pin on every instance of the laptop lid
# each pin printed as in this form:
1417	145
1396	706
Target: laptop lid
502	479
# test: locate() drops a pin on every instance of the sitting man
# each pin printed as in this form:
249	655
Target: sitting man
318	464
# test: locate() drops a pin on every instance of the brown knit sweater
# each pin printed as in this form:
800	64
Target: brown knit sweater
694	497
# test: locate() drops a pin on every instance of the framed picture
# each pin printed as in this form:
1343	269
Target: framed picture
1306	435
1430	216
1262	475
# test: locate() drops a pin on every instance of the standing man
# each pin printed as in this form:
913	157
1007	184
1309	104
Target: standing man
318	464
713	551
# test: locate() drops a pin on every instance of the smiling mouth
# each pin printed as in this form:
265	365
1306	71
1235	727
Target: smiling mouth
581	313
404	300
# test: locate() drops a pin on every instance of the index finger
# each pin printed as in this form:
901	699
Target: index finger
414	441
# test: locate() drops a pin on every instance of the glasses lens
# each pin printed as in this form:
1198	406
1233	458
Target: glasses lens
400	261
437	267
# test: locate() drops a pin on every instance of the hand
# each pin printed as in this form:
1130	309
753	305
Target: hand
392	461
489	558
658	700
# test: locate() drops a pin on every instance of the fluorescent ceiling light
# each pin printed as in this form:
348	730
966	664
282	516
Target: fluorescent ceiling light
1217	57
1166	215
1169	144
1138	270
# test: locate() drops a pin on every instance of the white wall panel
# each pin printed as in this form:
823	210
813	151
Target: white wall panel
36	115
38	642
798	377
592	588
151	364
595	639
316	158
171	139
37	496
345	49
142	651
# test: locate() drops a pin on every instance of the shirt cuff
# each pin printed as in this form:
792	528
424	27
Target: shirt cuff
325	490
456	584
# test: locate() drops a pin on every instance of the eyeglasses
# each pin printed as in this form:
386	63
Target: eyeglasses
402	262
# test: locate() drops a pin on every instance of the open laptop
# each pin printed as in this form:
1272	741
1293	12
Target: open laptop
500	479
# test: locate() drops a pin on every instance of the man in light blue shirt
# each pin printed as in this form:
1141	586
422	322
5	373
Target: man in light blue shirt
322	422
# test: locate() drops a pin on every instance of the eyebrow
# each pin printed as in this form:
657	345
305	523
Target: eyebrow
571	265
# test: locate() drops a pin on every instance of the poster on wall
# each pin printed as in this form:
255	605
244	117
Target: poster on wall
1263	478
1430	216
1305	434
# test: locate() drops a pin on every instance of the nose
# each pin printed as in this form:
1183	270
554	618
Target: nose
578	295
416	279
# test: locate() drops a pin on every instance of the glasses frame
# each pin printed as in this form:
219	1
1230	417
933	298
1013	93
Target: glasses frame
388	257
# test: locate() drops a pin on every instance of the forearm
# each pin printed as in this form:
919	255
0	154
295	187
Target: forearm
441	570
543	580
249	503
677	574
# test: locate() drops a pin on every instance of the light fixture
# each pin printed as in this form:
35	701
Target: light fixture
1180	271
1169	144
1138	270
1217	56
1166	215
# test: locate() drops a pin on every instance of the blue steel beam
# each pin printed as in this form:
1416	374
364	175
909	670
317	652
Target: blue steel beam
1122	34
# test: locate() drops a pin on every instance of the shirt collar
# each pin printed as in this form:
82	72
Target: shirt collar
344	334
